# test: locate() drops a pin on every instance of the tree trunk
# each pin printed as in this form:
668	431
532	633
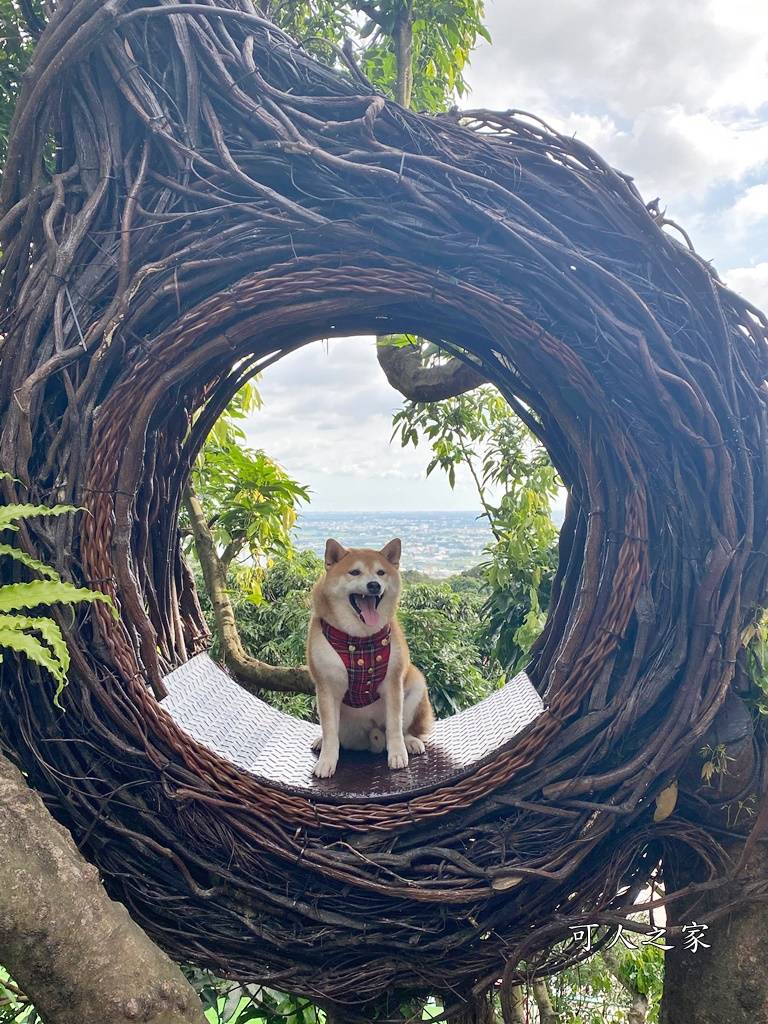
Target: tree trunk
403	40
75	953
541	995
517	1005
476	1010
638	1009
726	983
253	675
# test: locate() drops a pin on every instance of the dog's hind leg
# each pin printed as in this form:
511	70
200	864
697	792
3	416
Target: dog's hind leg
420	721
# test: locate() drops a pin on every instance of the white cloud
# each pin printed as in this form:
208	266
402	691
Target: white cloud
678	155
672	94
327	418
625	56
749	209
751	282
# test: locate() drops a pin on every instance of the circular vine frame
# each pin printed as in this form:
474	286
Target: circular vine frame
188	195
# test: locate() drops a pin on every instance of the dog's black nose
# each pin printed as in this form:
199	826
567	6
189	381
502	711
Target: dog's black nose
374	587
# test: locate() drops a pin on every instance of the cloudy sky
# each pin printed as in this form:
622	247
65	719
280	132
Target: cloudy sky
673	93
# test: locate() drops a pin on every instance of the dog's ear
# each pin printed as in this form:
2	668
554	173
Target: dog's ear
391	552
334	552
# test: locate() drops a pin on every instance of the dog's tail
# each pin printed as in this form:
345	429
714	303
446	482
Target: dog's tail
377	740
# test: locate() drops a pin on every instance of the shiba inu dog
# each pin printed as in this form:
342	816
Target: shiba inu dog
369	695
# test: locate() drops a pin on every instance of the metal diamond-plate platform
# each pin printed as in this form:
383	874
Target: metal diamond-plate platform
208	705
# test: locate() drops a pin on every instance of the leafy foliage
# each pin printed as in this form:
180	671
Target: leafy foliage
37	637
249	500
444	630
715	761
591	993
275	628
15	1008
232	1002
15	54
478	430
443	35
311	20
515	609
755	661
643	969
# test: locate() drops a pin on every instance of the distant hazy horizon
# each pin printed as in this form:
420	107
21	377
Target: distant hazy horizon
439	542
387	512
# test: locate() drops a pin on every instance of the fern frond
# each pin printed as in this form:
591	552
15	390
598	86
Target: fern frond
10	512
32	563
16	596
48	630
14	637
39	638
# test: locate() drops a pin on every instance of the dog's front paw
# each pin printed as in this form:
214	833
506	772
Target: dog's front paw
414	745
325	767
398	758
317	744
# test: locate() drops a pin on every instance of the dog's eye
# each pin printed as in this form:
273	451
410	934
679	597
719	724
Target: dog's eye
354	572
381	573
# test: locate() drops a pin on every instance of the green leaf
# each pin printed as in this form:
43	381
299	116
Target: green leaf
48	630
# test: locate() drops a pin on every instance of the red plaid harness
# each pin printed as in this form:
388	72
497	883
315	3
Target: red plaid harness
365	659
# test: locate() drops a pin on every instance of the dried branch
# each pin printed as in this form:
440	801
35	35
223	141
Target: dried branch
407	374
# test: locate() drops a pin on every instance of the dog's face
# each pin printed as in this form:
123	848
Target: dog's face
360	589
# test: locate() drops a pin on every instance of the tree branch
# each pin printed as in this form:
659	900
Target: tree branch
405	372
34	23
372	13
229	553
253	675
76	954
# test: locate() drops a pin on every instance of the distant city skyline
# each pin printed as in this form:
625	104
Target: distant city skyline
437	543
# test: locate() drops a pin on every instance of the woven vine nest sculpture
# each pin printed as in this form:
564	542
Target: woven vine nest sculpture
189	195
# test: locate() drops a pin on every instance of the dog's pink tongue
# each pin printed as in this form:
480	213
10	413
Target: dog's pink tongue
368	611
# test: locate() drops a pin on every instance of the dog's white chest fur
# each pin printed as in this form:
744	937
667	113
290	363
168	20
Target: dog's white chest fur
355	724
